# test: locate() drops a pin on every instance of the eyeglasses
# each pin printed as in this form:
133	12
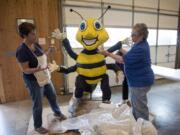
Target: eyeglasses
134	34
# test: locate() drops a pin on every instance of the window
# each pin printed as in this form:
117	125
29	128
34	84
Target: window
167	37
117	34
152	37
71	35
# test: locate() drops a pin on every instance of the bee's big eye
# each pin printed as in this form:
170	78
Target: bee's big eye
83	25
97	25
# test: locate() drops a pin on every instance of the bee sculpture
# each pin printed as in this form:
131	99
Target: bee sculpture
90	65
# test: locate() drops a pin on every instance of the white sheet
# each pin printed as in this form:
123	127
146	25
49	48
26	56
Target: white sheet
106	120
169	73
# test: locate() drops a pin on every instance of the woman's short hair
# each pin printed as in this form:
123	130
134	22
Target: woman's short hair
25	28
142	30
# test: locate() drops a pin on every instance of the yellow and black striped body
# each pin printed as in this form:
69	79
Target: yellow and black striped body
91	66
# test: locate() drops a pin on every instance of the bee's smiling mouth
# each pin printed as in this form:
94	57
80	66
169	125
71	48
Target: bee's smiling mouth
89	42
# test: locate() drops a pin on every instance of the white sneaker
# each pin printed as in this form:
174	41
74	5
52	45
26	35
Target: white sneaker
73	104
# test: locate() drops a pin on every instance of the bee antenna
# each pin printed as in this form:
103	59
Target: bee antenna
109	7
71	10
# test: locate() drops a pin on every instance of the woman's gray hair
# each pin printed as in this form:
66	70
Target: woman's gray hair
142	29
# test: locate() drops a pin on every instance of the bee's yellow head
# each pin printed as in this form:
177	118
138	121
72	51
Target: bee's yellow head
91	34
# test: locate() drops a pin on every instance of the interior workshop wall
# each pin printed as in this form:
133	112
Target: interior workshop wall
46	16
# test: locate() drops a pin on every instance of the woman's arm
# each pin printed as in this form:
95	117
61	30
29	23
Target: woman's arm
117	58
27	70
123	51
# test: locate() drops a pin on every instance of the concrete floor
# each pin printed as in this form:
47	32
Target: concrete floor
164	102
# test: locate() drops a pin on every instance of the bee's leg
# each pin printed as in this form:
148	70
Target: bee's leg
78	93
105	89
73	104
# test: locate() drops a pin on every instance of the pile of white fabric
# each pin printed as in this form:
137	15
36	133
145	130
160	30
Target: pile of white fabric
107	120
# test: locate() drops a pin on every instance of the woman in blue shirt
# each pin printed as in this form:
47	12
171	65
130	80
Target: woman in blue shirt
138	70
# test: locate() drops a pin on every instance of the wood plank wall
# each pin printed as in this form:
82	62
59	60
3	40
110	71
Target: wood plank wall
46	16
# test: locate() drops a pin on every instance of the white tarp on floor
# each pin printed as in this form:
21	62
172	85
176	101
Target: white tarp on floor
106	120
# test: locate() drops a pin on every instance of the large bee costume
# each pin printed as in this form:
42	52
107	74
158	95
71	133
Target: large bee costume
89	71
90	64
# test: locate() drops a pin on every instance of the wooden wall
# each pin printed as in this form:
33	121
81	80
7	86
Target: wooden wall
46	16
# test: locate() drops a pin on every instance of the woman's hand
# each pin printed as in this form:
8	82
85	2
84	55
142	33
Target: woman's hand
104	52
40	69
117	58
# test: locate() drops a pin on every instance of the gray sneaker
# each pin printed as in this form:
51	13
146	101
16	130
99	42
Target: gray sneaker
60	117
41	130
73	104
106	101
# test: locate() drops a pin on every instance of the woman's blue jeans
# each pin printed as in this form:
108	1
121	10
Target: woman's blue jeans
139	102
37	94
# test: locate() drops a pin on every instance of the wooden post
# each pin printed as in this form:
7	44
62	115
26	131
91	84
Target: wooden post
2	95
